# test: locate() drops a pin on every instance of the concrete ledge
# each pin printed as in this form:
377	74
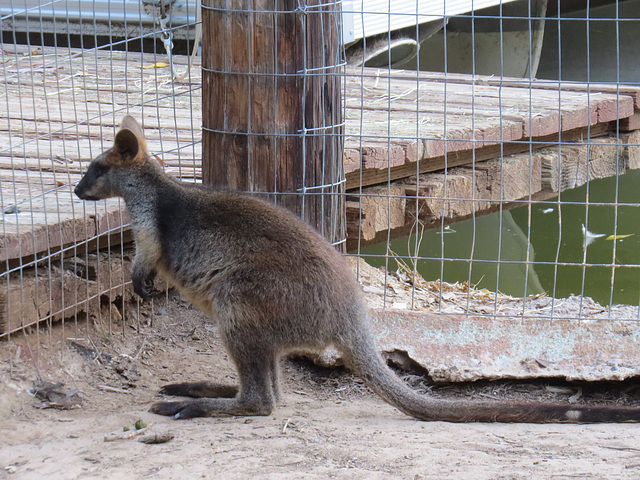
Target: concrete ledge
459	348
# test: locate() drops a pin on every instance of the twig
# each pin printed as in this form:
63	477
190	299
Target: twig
144	342
489	396
286	424
95	348
624	449
107	388
113	436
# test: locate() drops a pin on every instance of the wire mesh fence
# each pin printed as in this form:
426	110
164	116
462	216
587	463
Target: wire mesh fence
489	148
72	70
510	116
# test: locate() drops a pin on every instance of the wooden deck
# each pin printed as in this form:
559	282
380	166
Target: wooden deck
60	109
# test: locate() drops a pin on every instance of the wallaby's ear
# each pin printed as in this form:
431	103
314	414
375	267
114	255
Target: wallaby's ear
130	123
126	147
129	145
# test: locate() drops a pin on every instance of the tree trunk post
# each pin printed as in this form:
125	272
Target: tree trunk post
272	115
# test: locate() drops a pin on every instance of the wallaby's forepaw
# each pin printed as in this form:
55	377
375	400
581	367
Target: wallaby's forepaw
145	289
178	410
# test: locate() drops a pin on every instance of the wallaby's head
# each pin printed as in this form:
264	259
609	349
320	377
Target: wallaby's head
109	174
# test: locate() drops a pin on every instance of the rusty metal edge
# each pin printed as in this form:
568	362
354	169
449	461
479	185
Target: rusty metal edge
458	348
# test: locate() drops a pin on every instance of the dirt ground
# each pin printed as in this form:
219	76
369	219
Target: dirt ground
328	424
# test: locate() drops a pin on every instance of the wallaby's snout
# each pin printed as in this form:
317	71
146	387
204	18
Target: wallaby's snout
80	193
87	188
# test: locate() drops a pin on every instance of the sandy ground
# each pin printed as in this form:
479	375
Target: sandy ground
328	424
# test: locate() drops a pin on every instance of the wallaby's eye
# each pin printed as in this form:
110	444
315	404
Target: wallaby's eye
100	170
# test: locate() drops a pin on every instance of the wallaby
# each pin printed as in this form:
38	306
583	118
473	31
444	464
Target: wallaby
273	285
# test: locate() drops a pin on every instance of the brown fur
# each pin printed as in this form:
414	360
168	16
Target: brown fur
273	285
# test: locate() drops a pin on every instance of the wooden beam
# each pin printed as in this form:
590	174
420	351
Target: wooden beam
374	176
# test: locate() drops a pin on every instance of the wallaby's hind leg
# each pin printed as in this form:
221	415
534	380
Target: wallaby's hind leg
202	389
275	380
255	397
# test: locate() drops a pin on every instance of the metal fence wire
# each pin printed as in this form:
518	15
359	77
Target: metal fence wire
489	166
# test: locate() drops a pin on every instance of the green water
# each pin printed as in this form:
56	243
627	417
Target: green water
498	245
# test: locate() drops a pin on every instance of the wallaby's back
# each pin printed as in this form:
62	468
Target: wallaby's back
273	284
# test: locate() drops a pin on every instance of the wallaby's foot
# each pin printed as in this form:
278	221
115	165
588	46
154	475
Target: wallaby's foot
200	390
209	407
178	410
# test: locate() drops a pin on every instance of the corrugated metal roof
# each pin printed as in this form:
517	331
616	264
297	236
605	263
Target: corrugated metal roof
361	18
101	10
371	17
87	17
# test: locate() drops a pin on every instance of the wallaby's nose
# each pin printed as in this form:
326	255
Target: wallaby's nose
80	192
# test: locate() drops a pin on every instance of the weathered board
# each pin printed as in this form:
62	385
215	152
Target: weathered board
403	123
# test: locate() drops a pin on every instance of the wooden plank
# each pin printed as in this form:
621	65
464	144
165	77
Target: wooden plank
66	289
68	114
39	236
51	146
459	158
48	153
630	124
474	98
491	80
573	166
383	208
531	113
633	149
49	220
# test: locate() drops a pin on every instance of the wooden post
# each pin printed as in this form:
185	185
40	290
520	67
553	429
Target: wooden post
272	118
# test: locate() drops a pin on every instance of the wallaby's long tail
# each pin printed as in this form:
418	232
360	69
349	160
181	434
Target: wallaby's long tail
364	358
